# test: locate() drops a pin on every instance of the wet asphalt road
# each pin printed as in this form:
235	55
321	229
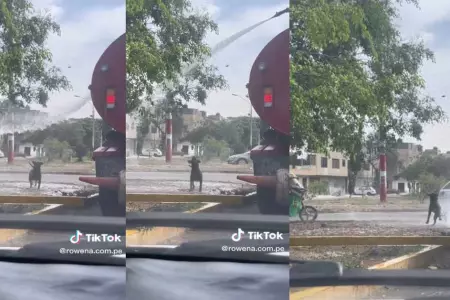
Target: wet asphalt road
386	218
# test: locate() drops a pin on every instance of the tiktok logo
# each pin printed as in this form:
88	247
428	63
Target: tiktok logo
76	238
236	237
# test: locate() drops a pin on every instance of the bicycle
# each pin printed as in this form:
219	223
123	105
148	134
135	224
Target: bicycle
307	213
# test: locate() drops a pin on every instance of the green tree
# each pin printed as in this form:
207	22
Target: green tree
234	131
350	70
213	148
430	183
55	149
170	53
26	71
76	133
429	163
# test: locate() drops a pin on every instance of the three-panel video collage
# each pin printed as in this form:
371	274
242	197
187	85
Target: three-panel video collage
224	150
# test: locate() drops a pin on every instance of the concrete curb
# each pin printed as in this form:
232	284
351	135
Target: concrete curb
411	261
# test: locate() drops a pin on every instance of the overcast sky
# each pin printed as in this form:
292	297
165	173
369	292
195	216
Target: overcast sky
233	16
432	23
87	29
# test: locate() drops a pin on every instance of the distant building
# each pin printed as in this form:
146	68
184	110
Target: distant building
30	150
192	118
332	169
131	136
21	119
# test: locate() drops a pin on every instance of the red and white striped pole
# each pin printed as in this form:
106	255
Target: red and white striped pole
10	148
169	138
383	177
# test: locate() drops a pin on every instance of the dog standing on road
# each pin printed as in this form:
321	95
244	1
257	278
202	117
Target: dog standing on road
196	174
35	175
434	208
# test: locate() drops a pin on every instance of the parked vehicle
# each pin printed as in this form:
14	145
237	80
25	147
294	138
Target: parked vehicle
365	190
240	159
2	155
153	152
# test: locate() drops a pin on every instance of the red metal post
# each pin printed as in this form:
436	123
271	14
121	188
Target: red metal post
383	178
169	138
10	148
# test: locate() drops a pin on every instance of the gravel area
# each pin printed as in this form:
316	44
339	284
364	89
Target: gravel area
28	208
162	207
361	228
353	256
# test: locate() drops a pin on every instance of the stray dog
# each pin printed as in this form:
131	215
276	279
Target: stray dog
434	208
196	174
35	175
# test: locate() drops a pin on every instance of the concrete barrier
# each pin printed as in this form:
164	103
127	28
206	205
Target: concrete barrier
419	259
184	198
299	241
19	199
159	235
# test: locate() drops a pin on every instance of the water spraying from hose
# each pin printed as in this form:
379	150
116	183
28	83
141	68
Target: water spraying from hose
159	95
23	120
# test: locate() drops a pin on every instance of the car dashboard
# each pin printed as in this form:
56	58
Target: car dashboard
188	280
61	281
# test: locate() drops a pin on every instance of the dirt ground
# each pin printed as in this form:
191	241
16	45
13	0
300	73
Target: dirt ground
353	256
360	228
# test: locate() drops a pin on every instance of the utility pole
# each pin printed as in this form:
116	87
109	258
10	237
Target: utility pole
11	136
169	138
383	167
93	126
251	118
251	126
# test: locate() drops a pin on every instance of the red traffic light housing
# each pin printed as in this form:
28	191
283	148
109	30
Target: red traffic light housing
268	97
110	98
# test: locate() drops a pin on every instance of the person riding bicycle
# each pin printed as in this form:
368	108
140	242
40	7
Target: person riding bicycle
296	201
